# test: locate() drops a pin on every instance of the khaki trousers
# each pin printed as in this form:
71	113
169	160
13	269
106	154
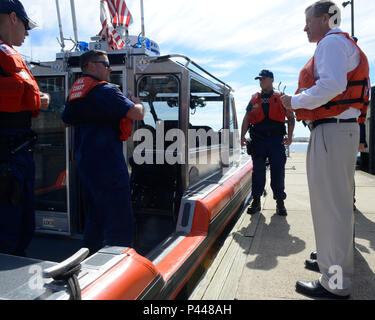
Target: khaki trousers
330	165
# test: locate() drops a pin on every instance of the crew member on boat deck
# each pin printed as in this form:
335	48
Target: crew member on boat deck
333	89
266	118
20	100
102	118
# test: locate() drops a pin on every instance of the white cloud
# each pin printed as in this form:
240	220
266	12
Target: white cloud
242	94
242	26
245	27
232	39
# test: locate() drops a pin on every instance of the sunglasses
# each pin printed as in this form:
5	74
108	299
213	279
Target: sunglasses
104	63
25	22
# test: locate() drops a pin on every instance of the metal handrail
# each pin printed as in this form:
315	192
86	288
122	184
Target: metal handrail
168	56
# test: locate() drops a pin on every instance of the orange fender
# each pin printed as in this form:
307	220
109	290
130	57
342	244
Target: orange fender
125	281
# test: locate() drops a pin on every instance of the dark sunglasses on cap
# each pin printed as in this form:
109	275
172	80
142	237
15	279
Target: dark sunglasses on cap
104	63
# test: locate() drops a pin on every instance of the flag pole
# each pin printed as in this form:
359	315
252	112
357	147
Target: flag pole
62	44
74	21
142	20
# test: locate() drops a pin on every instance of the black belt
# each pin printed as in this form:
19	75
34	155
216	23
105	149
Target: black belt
16	120
332	120
11	145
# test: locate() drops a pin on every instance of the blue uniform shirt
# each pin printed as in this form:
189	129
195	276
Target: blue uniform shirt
96	118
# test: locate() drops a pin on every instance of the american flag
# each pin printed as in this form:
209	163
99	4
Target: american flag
114	13
120	13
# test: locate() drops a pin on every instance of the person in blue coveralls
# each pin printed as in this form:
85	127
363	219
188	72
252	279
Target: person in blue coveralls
266	119
97	110
20	101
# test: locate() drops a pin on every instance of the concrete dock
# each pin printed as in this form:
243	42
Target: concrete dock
264	254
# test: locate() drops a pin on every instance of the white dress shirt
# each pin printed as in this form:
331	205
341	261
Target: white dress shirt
335	56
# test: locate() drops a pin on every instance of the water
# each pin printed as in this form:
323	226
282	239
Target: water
302	147
298	147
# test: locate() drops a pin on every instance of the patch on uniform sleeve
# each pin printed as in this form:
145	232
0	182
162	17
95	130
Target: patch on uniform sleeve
24	74
7	50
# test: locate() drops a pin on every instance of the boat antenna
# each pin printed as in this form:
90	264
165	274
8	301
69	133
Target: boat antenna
74	21
61	42
142	20
278	88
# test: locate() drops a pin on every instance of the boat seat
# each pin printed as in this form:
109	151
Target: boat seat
207	129
153	185
170	124
154	175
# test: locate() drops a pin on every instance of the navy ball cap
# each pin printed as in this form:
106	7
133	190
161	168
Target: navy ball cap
9	6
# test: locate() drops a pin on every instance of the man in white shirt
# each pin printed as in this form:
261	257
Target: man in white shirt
328	98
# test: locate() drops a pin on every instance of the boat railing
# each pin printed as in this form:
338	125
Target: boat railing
189	61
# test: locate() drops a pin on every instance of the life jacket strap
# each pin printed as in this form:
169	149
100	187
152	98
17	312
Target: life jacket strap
363	83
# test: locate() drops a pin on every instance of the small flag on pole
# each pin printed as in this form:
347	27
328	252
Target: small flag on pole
114	13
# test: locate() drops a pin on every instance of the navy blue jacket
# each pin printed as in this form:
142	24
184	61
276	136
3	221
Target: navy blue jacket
96	118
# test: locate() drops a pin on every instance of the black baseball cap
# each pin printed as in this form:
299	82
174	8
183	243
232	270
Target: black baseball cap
9	6
265	74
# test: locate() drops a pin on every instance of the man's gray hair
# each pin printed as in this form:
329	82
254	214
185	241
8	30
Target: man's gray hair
323	7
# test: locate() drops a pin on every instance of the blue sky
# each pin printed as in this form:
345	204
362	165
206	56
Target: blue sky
234	39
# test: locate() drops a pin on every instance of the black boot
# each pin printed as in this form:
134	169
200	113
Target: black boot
280	208
255	206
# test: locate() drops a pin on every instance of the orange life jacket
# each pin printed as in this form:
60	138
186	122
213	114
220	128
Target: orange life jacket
356	95
83	86
19	90
276	110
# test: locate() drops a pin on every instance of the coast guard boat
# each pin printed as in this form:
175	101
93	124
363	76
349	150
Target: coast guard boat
180	208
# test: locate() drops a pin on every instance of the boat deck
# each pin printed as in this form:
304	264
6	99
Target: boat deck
264	254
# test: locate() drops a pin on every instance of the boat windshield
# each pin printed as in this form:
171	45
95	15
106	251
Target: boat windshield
160	95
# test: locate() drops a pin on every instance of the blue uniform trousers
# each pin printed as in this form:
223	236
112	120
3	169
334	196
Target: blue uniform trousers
17	222
109	219
273	149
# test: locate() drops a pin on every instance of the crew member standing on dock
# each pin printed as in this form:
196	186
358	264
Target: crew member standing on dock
97	110
266	118
20	100
333	88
